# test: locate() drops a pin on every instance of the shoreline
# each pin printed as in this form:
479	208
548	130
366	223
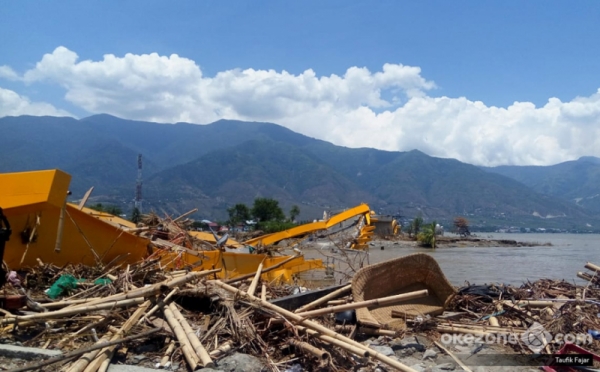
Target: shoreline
455	242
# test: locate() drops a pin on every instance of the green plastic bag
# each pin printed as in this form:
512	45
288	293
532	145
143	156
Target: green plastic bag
63	284
102	281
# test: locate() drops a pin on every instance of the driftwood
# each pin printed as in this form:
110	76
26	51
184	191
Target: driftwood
263	292
86	358
384	301
377	332
159	304
591	266
191	335
103	358
324	299
323	356
79	352
153	289
458	361
186	348
167	356
254	283
223	349
361	352
71	311
314	326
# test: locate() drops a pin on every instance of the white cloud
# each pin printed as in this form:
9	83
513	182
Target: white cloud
348	109
13	104
8	73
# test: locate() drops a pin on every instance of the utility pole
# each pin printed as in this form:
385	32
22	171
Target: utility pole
138	186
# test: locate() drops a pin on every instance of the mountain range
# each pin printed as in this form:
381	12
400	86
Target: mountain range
213	166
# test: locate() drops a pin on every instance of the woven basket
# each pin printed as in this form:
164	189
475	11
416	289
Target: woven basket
405	274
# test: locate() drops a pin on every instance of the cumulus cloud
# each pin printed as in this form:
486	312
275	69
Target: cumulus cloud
13	104
8	73
348	109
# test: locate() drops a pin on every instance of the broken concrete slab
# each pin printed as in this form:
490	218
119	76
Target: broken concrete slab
27	353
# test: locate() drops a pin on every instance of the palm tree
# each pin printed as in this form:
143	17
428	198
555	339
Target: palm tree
427	236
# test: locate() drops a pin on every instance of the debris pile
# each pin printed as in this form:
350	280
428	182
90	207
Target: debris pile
179	320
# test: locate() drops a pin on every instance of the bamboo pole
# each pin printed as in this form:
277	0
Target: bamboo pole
165	359
186	348
322	330
71	311
76	353
74	334
377	332
342	328
186	214
225	348
482	327
254	283
103	357
336	302
52	305
336	342
85	198
531	303
86	358
191	335
308	348
59	229
160	303
591	266
270	268
263	292
106	362
153	289
384	301
324	299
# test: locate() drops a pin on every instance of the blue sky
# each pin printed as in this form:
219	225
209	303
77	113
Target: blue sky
496	52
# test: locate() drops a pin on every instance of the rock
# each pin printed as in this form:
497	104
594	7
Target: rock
406	346
239	362
445	367
429	354
419	367
295	368
28	353
385	350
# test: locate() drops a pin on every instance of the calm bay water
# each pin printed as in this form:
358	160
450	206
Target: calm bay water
510	265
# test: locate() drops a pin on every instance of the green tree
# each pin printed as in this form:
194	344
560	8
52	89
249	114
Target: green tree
97	207
427	236
266	209
238	213
416	225
294	212
199	225
113	209
136	216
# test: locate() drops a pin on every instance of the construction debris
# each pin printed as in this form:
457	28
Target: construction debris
183	301
181	320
